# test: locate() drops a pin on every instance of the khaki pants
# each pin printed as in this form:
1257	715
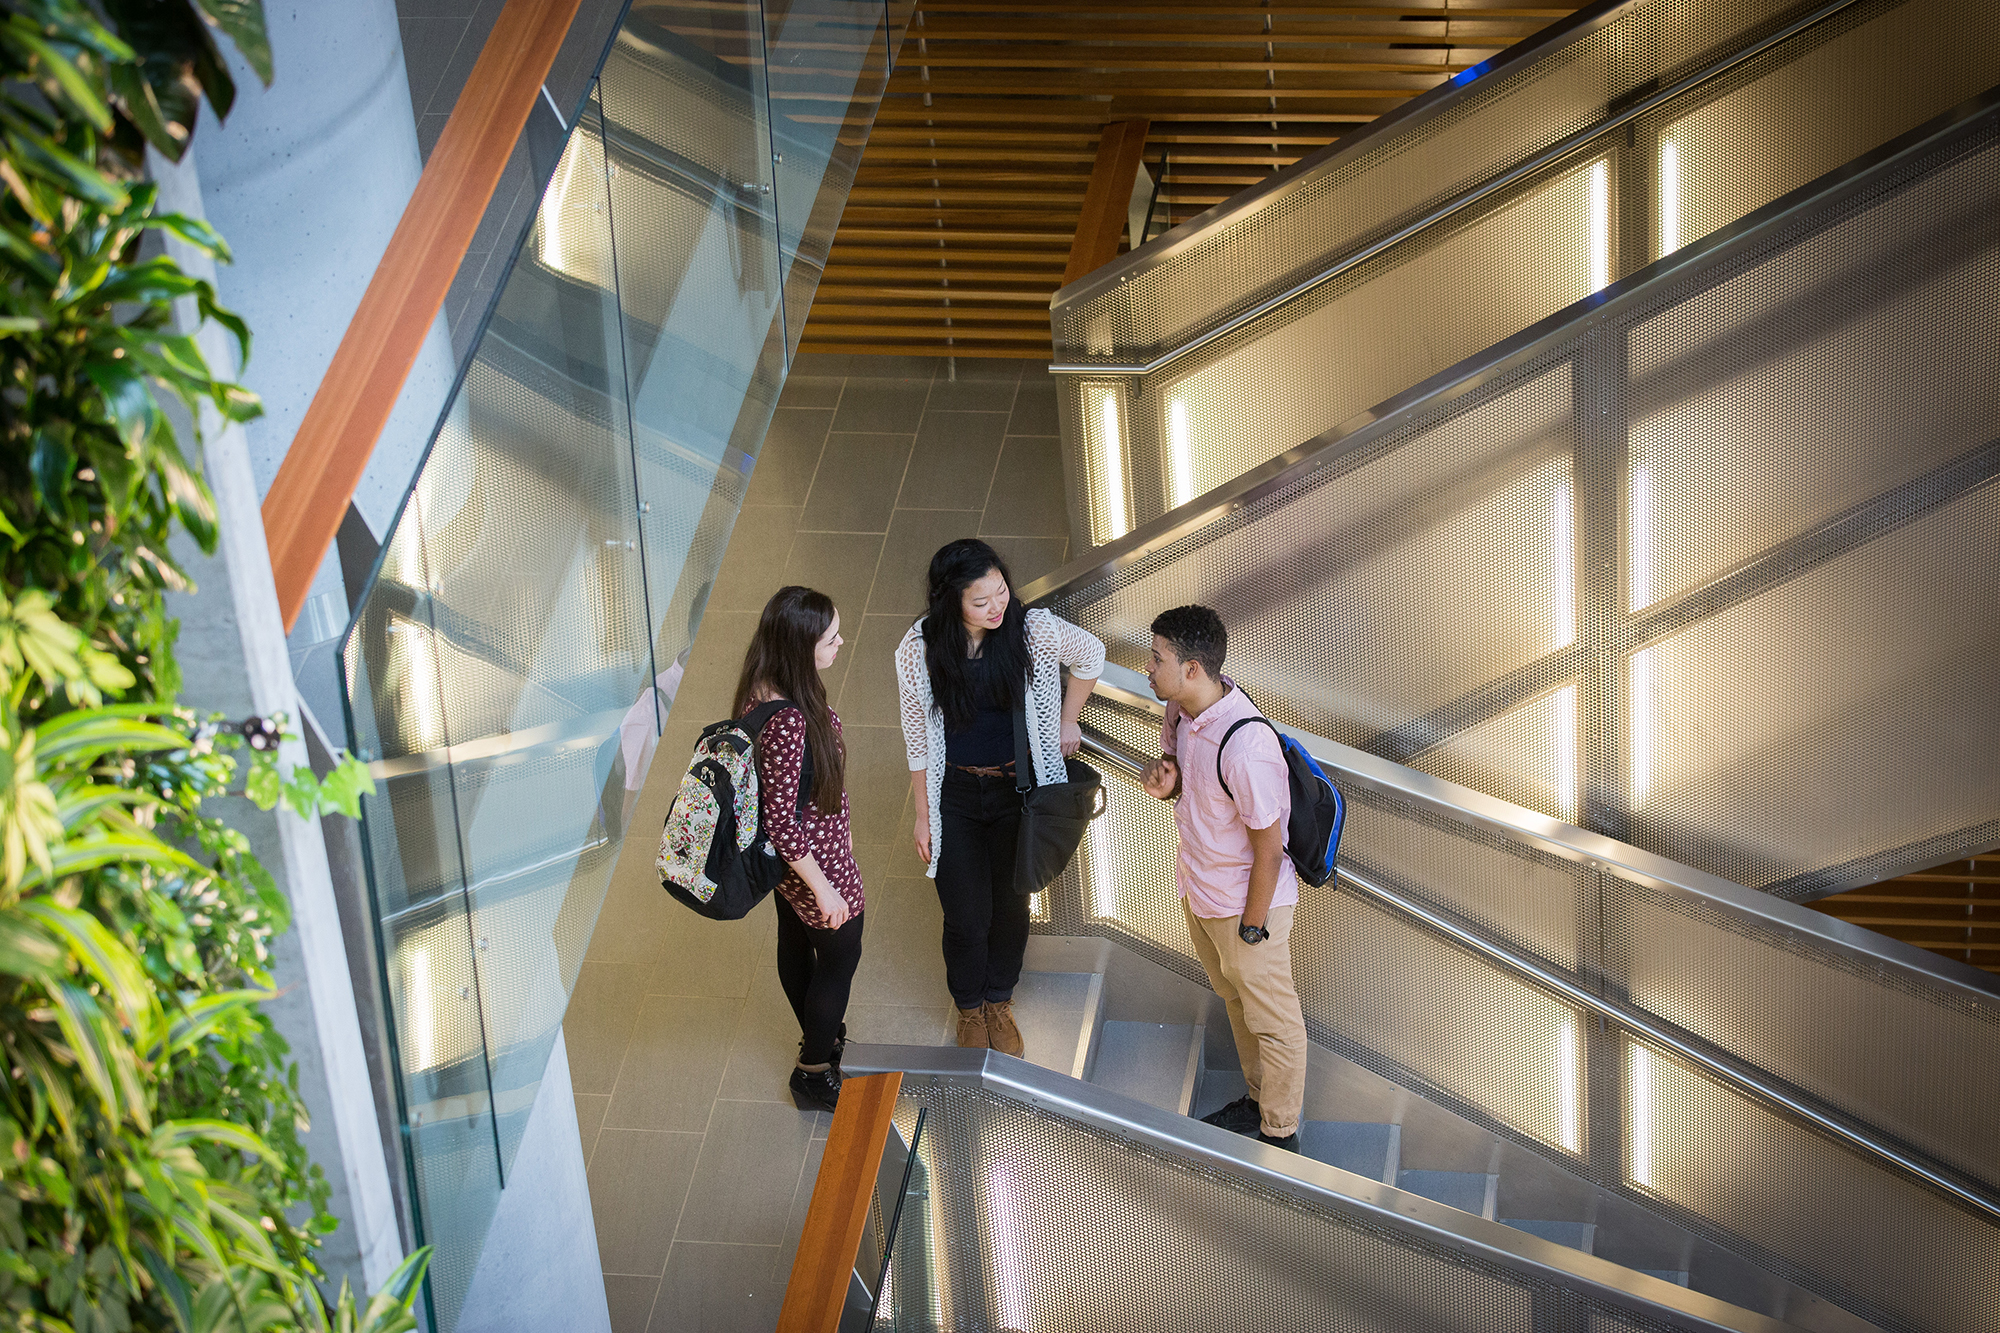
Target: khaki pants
1255	983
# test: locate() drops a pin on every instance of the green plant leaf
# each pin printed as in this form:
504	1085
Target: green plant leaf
343	788
242	22
127	402
98	851
203	1016
135	97
26	950
85	735
76	88
52	465
219	1132
262	784
101	954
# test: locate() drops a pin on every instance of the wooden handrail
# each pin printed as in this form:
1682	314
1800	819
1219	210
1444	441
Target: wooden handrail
1106	198
309	496
817	1291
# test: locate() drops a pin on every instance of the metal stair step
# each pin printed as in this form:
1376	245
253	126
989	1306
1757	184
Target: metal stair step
1370	1150
1576	1235
1057	1013
1156	1063
1677	1276
1471	1191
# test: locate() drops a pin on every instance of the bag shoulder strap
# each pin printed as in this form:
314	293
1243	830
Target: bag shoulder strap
1235	727
1024	755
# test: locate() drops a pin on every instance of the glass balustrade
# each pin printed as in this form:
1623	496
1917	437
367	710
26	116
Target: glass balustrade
513	659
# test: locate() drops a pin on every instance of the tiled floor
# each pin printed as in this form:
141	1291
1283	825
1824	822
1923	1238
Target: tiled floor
680	1039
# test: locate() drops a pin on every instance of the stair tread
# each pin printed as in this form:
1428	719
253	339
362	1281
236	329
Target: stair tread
1055	1014
1576	1235
1145	1061
1469	1191
1363	1147
1677	1276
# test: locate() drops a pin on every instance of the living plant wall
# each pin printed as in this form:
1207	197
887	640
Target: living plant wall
152	1174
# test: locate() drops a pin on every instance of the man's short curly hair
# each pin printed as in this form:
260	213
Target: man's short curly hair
1197	635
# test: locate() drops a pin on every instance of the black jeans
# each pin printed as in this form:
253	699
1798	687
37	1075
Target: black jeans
985	921
816	968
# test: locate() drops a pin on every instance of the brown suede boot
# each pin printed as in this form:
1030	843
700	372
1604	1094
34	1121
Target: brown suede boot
972	1028
1001	1030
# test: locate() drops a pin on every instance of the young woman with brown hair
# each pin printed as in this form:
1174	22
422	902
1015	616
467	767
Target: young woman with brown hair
802	786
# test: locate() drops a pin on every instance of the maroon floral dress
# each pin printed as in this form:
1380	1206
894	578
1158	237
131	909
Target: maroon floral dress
796	827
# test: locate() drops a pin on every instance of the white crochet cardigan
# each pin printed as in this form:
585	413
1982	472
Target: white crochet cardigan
1052	642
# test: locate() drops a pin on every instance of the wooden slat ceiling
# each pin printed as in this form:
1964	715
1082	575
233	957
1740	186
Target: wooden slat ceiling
973	180
1952	909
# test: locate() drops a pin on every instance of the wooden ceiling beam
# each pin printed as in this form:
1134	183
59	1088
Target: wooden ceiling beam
832	331
959	290
1016	8
1104	202
835	312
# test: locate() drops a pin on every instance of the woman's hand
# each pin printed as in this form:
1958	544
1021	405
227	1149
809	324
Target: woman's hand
923	835
1072	738
832	906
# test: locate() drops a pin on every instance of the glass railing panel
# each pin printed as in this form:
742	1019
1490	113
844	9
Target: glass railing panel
1036	1213
510	667
829	60
1644	188
537	588
1679	569
699	276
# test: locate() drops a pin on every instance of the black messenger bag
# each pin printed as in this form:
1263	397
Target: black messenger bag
1053	816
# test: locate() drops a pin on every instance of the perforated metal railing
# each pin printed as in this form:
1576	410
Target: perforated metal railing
1816	1100
1039	1206
1585	155
1705	563
1709	562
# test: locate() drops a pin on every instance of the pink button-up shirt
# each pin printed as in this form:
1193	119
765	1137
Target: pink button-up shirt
1213	869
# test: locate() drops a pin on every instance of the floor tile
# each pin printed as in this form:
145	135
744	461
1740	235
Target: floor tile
720	1289
699	957
790	455
855	487
428	44
869	695
589	1118
811	391
1036	411
1027	499
897	1024
764	1043
878	780
755	569
841	565
598	1023
673	1064
914	537
631	1300
747	1174
951	466
971	395
795	1222
635	921
1028	558
891	406
902	959
878	861
638	1183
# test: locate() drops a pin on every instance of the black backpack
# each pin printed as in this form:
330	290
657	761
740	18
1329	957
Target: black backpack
1312	835
713	855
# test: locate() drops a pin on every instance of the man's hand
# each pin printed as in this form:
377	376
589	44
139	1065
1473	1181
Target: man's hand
1162	778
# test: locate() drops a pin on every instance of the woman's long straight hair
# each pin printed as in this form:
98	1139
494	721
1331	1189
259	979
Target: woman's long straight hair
780	663
956	566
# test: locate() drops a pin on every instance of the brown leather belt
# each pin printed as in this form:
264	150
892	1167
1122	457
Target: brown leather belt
1005	770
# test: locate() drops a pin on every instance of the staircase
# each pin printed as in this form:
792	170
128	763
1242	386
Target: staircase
1094	1011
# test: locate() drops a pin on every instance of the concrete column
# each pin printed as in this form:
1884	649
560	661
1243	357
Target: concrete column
233	660
307	180
539	1266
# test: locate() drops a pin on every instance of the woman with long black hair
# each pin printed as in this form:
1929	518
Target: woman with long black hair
802	798
976	659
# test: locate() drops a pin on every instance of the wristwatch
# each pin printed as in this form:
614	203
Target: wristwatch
1252	934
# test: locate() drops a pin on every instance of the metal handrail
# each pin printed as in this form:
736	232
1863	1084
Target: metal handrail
1565	148
1738	1075
1310	1181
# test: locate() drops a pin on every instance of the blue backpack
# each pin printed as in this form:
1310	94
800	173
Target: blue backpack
1312	835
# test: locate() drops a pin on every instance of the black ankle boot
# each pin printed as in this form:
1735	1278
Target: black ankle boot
816	1089
839	1048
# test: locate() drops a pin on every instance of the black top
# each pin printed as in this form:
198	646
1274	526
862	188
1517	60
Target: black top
989	741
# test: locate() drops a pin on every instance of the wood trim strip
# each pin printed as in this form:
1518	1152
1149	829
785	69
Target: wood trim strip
817	1290
1103	220
310	495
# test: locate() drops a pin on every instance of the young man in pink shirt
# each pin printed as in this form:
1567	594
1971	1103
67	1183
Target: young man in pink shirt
1237	887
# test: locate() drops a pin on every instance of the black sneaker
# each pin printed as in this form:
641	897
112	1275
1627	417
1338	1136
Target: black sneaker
1290	1143
1242	1116
819	1089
